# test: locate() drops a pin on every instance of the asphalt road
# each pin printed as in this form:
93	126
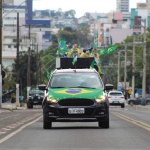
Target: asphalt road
129	130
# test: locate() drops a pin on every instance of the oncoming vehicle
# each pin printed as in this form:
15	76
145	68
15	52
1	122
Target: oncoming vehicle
35	97
75	95
116	98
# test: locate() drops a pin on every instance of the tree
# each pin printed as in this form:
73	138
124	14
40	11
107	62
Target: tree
48	61
70	13
88	15
69	37
45	13
23	59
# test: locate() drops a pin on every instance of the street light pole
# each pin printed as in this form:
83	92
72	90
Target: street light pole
144	64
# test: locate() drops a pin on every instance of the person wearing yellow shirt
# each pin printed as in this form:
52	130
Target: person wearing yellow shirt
83	54
95	54
75	51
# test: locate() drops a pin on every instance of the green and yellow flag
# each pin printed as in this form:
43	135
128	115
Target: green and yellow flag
101	52
74	60
111	49
62	46
95	41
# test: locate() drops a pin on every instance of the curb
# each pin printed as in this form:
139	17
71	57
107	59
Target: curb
12	109
140	106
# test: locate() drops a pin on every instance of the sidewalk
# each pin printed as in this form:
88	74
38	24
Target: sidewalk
12	106
140	106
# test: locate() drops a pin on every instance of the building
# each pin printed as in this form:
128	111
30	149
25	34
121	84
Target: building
40	31
122	5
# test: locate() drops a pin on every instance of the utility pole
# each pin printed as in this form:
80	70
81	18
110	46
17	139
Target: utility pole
28	68
133	66
17	66
125	70
1	47
118	68
144	64
37	65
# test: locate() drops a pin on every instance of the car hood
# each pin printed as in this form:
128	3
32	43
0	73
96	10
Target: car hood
62	93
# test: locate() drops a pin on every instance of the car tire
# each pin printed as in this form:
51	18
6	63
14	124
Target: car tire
131	103
104	124
29	105
123	106
46	124
148	103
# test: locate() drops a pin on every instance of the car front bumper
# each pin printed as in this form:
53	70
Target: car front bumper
56	113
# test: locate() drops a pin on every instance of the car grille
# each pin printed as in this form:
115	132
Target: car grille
76	102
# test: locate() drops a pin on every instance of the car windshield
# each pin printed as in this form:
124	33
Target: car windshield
115	94
86	80
36	92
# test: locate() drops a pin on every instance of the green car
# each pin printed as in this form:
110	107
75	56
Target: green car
75	95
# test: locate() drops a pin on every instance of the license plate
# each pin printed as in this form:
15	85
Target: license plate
35	102
115	102
76	111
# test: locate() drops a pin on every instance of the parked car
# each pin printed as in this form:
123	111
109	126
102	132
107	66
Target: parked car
139	100
116	98
35	97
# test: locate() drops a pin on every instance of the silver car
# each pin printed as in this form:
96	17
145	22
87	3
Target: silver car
116	98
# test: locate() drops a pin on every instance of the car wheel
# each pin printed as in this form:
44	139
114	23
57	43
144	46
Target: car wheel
131	103
104	124
29	105
123	106
46	124
148	102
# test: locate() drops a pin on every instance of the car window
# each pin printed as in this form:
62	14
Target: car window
36	91
115	94
147	95
90	80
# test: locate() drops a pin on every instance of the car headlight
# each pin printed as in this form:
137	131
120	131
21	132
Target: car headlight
51	100
100	99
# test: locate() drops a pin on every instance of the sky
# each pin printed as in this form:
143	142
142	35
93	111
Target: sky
80	6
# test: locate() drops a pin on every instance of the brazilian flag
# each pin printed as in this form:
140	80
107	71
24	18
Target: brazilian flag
62	46
95	66
111	49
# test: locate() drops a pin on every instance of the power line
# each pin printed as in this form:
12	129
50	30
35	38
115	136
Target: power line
13	9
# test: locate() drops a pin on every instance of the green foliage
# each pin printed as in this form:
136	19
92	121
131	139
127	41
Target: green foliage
48	61
44	13
82	25
23	65
68	36
70	13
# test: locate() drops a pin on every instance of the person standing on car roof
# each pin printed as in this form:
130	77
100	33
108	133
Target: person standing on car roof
75	51
83	54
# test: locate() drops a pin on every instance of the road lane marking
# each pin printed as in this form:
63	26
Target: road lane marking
9	117
14	125
20	129
2	133
136	122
